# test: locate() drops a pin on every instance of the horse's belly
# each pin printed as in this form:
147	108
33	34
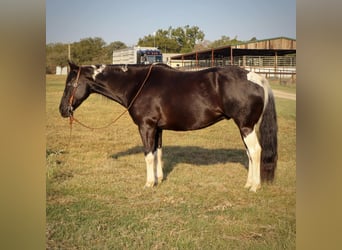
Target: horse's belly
183	120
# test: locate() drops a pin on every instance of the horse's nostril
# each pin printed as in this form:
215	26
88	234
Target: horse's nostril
66	111
70	110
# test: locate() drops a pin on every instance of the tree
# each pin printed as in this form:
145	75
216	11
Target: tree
56	55
86	51
205	44
108	51
116	45
187	37
148	41
179	40
225	41
160	39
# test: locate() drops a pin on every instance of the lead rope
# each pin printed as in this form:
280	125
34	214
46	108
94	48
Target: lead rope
72	118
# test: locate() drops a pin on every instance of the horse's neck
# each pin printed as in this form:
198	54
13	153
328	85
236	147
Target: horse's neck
118	87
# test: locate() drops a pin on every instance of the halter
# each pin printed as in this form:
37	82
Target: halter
75	85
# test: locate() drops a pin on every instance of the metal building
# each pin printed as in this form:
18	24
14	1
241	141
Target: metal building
275	57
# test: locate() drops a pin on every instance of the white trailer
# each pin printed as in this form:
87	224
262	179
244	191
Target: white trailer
137	55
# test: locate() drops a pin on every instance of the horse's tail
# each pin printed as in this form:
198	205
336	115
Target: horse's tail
268	136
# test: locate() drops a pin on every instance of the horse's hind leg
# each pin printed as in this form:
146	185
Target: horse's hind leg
249	177
254	153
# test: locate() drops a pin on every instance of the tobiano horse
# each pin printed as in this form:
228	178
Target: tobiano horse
159	98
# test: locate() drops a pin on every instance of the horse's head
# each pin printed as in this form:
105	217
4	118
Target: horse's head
77	88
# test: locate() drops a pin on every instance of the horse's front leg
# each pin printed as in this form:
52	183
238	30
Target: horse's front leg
148	135
158	156
150	179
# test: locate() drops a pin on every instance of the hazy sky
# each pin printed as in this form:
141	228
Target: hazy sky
129	20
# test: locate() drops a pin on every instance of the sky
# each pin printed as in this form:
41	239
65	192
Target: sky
69	21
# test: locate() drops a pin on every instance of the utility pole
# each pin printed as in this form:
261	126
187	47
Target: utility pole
69	57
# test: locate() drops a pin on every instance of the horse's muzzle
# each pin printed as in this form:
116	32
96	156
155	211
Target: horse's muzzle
66	111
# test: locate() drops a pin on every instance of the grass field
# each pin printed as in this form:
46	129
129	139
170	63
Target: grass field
96	199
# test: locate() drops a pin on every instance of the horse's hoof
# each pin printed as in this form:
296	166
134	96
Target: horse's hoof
160	180
248	185
254	188
149	184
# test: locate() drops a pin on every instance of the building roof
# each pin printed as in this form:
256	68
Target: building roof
267	47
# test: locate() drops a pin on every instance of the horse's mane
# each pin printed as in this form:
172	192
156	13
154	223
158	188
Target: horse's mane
124	67
117	67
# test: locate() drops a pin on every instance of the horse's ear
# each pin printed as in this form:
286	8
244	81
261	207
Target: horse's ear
73	66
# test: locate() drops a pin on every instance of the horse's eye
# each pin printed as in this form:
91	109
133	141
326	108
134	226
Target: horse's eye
72	84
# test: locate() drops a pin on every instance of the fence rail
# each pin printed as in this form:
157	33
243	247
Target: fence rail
282	67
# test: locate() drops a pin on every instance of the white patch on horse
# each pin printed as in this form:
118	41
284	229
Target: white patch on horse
261	81
124	68
254	155
254	77
159	165
249	177
98	70
149	159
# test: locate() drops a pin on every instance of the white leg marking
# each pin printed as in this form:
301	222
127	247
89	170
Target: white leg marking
159	165
150	181
249	177
254	150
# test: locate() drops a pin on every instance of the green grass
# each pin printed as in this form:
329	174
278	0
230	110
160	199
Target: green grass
96	199
286	85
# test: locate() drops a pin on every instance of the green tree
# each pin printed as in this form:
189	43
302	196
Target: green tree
147	41
187	37
160	39
165	42
56	55
225	41
179	40
88	51
116	45
108	51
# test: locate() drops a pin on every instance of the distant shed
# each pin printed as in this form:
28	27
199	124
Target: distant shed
273	57
280	43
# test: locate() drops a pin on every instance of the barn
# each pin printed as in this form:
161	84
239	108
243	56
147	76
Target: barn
274	57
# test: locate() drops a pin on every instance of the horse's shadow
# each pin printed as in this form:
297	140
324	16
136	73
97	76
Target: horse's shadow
173	155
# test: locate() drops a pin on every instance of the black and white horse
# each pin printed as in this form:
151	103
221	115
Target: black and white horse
159	97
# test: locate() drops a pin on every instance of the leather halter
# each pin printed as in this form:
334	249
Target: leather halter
75	85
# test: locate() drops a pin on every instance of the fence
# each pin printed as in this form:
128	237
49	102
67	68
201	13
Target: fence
282	67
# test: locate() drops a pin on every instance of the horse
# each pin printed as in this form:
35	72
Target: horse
158	97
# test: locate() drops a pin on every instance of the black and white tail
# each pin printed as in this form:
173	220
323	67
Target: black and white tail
268	136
